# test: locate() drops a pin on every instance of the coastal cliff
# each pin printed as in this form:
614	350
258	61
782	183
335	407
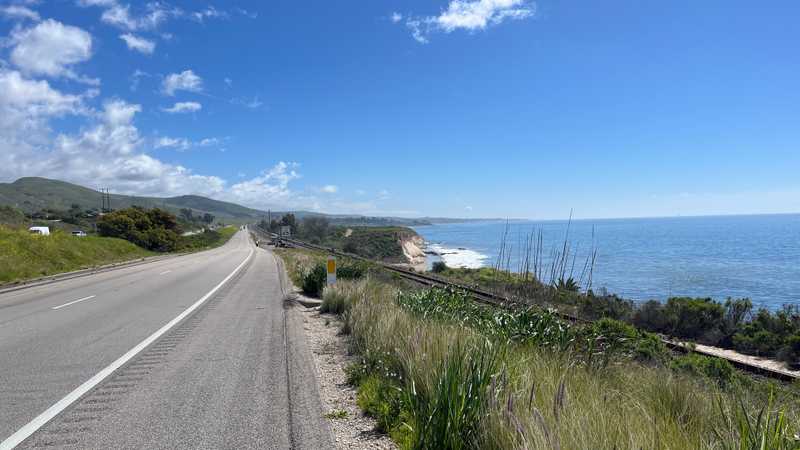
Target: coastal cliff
413	250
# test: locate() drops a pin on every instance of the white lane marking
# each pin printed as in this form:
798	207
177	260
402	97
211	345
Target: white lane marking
75	301
165	272
39	421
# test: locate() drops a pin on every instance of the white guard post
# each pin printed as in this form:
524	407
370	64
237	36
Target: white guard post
331	270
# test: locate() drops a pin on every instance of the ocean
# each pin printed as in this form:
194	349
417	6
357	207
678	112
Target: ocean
757	257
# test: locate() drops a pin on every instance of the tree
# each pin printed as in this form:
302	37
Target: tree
315	229
187	214
155	229
208	219
290	221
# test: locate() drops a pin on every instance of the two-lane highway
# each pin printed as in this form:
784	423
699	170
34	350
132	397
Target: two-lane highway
193	351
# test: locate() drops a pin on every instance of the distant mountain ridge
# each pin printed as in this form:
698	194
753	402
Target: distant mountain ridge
33	194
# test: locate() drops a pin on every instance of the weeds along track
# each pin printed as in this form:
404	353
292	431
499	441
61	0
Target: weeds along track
493	299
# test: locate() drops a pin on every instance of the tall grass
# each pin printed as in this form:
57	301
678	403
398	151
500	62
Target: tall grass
439	374
24	256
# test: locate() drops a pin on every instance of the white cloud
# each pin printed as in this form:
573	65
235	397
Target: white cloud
119	15
107	150
253	103
175	143
396	17
20	12
136	78
361	192
209	13
183	144
139	44
50	48
271	189
151	17
469	15
208	142
184	81
330	189
184	107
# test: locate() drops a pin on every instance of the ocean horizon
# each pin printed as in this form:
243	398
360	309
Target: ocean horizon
752	256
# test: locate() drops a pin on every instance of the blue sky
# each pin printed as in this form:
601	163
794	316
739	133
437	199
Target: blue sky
487	108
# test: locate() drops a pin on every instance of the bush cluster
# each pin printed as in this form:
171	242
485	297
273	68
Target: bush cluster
732	324
154	229
314	280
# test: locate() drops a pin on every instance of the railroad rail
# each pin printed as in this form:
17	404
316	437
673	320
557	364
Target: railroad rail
493	299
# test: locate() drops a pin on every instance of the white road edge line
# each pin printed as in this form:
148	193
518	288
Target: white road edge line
75	301
165	272
31	427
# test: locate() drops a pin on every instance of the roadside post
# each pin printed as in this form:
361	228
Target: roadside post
331	270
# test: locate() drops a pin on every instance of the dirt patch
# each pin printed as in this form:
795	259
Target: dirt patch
351	428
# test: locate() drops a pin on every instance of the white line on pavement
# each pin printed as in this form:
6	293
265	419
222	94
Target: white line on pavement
75	301
165	272
39	421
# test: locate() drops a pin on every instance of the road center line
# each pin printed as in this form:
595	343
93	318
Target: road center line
75	301
39	421
165	272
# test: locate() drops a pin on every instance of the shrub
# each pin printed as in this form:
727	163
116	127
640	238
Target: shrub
715	369
352	271
651	316
756	341
439	267
314	280
790	352
611	306
619	337
153	229
695	318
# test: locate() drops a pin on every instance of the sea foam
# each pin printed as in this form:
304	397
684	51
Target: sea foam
459	257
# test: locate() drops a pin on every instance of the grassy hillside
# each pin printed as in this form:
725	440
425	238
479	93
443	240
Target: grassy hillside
34	194
25	256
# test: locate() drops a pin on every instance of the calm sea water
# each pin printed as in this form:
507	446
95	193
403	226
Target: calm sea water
719	257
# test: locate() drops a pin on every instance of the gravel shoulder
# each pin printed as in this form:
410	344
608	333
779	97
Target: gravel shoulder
351	428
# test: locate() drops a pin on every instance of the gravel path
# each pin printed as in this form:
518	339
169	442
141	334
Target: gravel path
350	427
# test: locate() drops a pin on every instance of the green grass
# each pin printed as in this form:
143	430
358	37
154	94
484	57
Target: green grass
471	378
207	239
25	256
439	371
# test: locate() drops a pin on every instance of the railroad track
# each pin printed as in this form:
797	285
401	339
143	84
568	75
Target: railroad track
493	299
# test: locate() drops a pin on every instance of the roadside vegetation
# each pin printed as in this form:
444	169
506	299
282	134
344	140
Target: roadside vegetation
437	370
159	231
733	324
25	256
124	235
375	242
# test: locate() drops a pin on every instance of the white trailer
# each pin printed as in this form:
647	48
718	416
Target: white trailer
42	231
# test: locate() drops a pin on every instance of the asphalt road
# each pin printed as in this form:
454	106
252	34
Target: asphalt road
144	357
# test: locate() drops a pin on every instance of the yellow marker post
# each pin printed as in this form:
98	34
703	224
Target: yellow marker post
331	270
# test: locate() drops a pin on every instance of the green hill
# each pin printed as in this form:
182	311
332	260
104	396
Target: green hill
33	194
